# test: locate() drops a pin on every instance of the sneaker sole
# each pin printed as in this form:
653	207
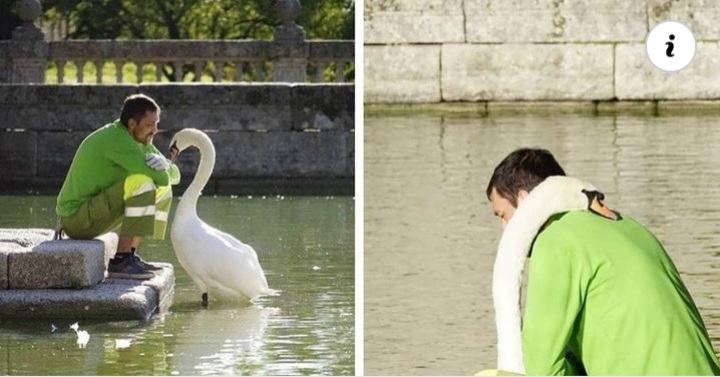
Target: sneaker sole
125	275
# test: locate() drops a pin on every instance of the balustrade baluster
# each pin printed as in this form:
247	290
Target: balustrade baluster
98	71
118	71
239	71
139	71
198	66
80	71
219	71
61	71
320	72
158	71
339	71
259	71
177	66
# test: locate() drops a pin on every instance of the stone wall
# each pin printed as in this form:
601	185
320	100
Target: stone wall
269	137
530	50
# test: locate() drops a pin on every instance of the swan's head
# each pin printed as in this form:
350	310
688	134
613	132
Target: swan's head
188	137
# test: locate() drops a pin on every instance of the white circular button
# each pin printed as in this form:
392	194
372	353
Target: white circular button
670	46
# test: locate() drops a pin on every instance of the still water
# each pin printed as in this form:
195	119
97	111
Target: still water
430	236
306	247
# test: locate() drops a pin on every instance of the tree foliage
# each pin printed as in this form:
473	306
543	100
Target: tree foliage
196	19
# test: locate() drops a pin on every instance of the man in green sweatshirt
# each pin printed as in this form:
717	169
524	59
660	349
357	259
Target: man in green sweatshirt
603	296
119	179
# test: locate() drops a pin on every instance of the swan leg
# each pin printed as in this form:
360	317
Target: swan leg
205	300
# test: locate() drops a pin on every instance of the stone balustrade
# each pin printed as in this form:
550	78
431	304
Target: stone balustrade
289	57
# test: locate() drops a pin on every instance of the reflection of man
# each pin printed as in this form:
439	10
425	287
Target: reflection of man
119	178
603	297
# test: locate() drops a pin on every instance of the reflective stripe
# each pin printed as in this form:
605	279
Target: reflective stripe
163	194
161	216
147	187
139	211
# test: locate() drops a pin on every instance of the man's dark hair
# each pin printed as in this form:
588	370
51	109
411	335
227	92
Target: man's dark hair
523	169
136	106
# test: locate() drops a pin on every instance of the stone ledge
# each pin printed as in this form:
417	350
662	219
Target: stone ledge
113	299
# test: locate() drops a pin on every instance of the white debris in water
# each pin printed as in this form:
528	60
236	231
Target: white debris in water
122	343
264	197
233	196
53	328
249	196
316	268
82	336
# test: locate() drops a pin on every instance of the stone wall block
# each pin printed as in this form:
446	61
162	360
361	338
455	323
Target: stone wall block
402	74
527	72
555	21
637	78
18	153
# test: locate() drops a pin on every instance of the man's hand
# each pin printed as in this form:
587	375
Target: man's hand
157	162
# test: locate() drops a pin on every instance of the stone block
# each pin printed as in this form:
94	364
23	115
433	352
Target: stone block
402	74
56	151
555	21
281	154
527	72
698	15
30	259
18	241
323	107
636	78
409	21
232	106
18	152
57	264
113	299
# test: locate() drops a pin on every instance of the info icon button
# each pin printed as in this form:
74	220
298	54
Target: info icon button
670	46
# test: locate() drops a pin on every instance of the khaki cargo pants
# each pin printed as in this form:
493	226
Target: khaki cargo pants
136	205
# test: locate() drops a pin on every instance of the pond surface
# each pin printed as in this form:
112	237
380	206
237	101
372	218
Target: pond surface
306	247
431	238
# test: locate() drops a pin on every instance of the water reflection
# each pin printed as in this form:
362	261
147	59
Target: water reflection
430	236
308	329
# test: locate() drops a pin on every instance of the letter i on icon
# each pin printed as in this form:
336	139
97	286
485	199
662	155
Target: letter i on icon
670	46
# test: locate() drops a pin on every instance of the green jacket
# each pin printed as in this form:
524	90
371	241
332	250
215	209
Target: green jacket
105	157
606	292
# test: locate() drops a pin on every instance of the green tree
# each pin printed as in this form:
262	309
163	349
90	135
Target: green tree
8	19
197	19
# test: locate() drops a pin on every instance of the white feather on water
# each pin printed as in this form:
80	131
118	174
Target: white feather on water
83	337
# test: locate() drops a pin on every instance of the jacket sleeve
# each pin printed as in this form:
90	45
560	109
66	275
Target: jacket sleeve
132	158
173	171
555	296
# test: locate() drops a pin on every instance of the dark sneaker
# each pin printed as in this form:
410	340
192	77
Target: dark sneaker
144	264
126	268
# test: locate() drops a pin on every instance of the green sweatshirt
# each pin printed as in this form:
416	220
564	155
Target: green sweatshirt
105	157
607	292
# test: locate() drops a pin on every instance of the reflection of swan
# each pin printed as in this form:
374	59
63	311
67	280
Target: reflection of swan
219	341
216	261
554	195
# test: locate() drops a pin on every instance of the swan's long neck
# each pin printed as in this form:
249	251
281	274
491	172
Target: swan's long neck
205	169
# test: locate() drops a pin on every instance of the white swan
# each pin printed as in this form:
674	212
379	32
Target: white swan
553	195
217	262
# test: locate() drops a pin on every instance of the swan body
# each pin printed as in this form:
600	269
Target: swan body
220	264
554	195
